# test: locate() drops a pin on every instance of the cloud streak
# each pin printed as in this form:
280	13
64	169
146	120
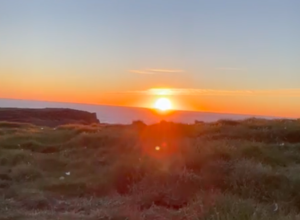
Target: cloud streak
156	71
212	92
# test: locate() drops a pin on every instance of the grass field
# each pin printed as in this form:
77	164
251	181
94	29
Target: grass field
225	170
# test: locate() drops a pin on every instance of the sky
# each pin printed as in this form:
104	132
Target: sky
218	56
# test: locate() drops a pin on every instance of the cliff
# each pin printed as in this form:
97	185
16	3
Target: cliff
47	117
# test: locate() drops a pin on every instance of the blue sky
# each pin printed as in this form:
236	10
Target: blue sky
108	46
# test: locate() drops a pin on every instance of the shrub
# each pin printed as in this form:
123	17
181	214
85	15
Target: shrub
139	125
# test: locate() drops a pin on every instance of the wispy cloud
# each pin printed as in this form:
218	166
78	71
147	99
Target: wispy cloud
156	71
213	92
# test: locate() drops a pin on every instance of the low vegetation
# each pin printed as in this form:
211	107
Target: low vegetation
225	170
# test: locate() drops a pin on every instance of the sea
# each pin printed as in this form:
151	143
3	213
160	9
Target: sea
126	115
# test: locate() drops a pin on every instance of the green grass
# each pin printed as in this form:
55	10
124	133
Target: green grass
214	171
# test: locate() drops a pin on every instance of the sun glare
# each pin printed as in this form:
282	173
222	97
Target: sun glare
163	104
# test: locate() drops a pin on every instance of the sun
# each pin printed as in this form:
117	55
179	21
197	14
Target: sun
163	104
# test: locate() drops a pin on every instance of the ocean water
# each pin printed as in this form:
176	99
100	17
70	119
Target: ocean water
125	115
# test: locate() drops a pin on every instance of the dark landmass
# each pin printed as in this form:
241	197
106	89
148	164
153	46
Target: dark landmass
223	170
50	117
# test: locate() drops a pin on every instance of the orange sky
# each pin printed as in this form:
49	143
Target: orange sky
269	103
115	52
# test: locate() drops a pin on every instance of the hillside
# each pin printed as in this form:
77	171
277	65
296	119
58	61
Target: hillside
47	116
225	170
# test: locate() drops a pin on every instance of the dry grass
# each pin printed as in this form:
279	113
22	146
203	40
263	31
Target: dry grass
225	170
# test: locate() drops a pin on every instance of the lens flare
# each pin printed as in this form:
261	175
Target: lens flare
157	148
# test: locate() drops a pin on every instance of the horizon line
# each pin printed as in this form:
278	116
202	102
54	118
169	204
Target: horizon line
126	106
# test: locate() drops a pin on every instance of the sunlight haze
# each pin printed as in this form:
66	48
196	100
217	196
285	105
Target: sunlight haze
216	56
